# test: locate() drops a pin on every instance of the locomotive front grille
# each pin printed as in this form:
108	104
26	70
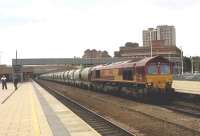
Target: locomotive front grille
158	81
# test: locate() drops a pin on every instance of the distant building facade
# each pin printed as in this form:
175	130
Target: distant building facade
27	72
95	54
196	64
135	51
7	71
162	32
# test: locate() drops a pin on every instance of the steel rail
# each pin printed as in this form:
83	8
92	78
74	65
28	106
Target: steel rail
96	121
185	109
192	131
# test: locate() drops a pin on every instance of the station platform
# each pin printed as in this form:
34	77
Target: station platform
188	87
32	111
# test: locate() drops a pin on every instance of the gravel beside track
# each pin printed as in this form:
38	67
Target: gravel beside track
184	108
100	124
148	119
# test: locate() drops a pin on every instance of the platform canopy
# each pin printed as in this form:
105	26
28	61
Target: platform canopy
57	61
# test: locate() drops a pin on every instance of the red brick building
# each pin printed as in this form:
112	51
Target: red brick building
157	49
133	50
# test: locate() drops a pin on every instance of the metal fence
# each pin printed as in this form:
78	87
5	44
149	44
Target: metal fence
188	76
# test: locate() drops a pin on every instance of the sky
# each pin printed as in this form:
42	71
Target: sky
66	28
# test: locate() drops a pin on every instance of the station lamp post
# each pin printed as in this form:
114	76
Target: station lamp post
150	42
181	60
191	59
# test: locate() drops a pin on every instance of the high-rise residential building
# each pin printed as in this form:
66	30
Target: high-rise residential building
168	34
149	35
162	32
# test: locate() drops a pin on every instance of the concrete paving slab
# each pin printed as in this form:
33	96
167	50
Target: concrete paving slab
192	87
21	113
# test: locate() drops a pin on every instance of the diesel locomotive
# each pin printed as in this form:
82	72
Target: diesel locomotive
149	76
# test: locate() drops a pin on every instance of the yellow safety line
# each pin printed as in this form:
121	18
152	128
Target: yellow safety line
35	122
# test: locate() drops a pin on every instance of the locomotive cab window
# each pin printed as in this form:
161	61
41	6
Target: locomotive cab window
164	69
127	74
152	69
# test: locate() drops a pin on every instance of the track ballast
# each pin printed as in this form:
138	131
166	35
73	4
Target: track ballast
99	123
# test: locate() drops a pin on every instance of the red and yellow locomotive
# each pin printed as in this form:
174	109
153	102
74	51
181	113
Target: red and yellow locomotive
147	76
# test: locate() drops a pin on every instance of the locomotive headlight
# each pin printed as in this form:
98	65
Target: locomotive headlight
150	84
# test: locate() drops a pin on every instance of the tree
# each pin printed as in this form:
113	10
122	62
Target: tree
130	44
186	64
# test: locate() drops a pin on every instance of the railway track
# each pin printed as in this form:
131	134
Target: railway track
162	123
99	123
185	108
